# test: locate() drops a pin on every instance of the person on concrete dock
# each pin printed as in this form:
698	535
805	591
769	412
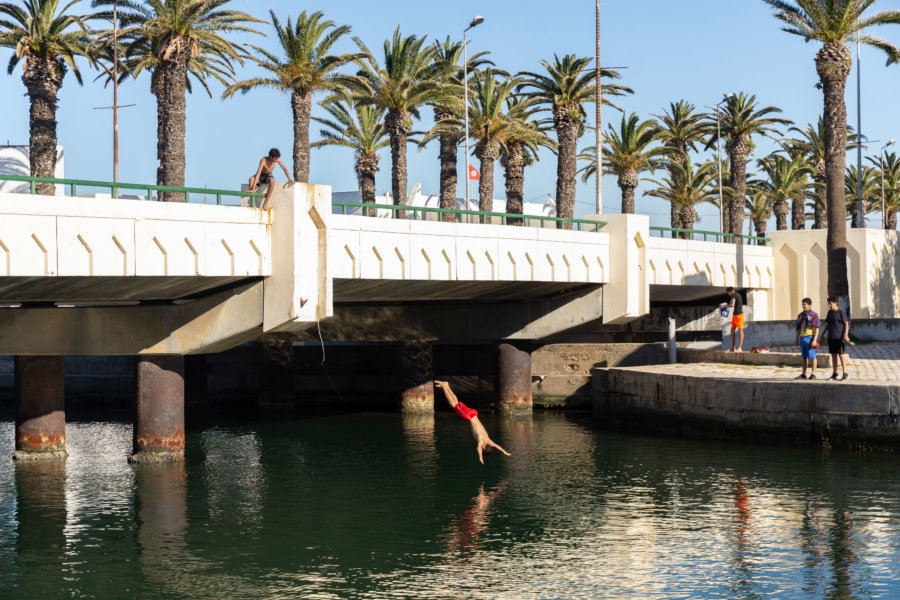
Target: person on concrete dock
837	324
484	444
737	319
264	174
808	326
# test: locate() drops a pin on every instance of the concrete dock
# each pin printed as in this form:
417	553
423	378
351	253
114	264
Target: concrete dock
760	402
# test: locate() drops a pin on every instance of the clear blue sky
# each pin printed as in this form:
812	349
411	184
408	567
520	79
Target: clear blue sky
697	50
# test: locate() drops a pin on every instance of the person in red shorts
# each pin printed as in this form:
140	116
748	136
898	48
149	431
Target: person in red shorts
737	319
484	444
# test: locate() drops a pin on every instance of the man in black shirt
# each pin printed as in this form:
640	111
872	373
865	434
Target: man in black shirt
838	325
737	319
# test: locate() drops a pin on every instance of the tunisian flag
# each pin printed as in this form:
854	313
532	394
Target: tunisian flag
473	173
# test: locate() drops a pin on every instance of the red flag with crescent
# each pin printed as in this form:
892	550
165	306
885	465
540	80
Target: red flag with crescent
474	174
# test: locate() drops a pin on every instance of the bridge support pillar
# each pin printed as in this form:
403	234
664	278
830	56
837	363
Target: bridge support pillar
514	378
276	382
40	408
416	378
159	409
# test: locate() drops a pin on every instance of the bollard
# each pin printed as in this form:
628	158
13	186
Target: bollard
673	354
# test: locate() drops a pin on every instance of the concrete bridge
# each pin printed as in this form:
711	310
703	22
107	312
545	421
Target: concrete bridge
82	276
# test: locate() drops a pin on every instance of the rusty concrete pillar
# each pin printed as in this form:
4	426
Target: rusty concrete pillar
514	378
159	409
40	408
276	378
416	378
196	397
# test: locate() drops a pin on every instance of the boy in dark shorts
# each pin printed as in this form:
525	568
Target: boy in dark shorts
264	174
808	326
837	323
484	445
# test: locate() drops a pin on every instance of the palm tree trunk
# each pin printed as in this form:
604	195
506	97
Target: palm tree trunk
566	166
395	122
688	218
169	84
761	227
628	180
780	209
447	156
833	66
301	106
42	79
798	214
487	155
891	222
366	167
675	217
737	149
514	173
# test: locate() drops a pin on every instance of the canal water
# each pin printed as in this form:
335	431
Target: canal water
374	506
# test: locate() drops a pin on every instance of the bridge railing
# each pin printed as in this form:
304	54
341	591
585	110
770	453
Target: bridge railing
419	213
114	188
717	236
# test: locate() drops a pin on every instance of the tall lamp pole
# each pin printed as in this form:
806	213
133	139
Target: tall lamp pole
478	20
599	206
881	164
719	160
859	199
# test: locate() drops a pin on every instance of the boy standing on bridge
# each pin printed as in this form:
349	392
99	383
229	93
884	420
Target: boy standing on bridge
837	323
807	333
737	318
264	174
484	444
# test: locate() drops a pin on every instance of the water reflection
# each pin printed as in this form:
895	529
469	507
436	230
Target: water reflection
372	506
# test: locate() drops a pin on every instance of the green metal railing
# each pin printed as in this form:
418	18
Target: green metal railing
420	211
717	236
115	187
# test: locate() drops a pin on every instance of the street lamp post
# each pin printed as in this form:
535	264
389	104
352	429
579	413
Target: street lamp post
881	164
478	20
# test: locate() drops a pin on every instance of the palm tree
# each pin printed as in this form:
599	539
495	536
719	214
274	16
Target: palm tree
448	111
888	188
811	144
687	186
627	154
175	39
518	149
741	119
835	23
304	66
871	192
568	85
49	40
759	208
680	129
362	130
785	180
408	79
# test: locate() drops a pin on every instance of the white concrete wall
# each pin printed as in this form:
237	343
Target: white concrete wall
698	263
63	236
873	267
368	248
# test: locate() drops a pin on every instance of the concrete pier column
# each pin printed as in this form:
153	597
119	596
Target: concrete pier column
40	408
514	378
276	378
159	409
416	378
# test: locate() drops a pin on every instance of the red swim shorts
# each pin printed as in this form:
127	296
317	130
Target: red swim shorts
465	412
